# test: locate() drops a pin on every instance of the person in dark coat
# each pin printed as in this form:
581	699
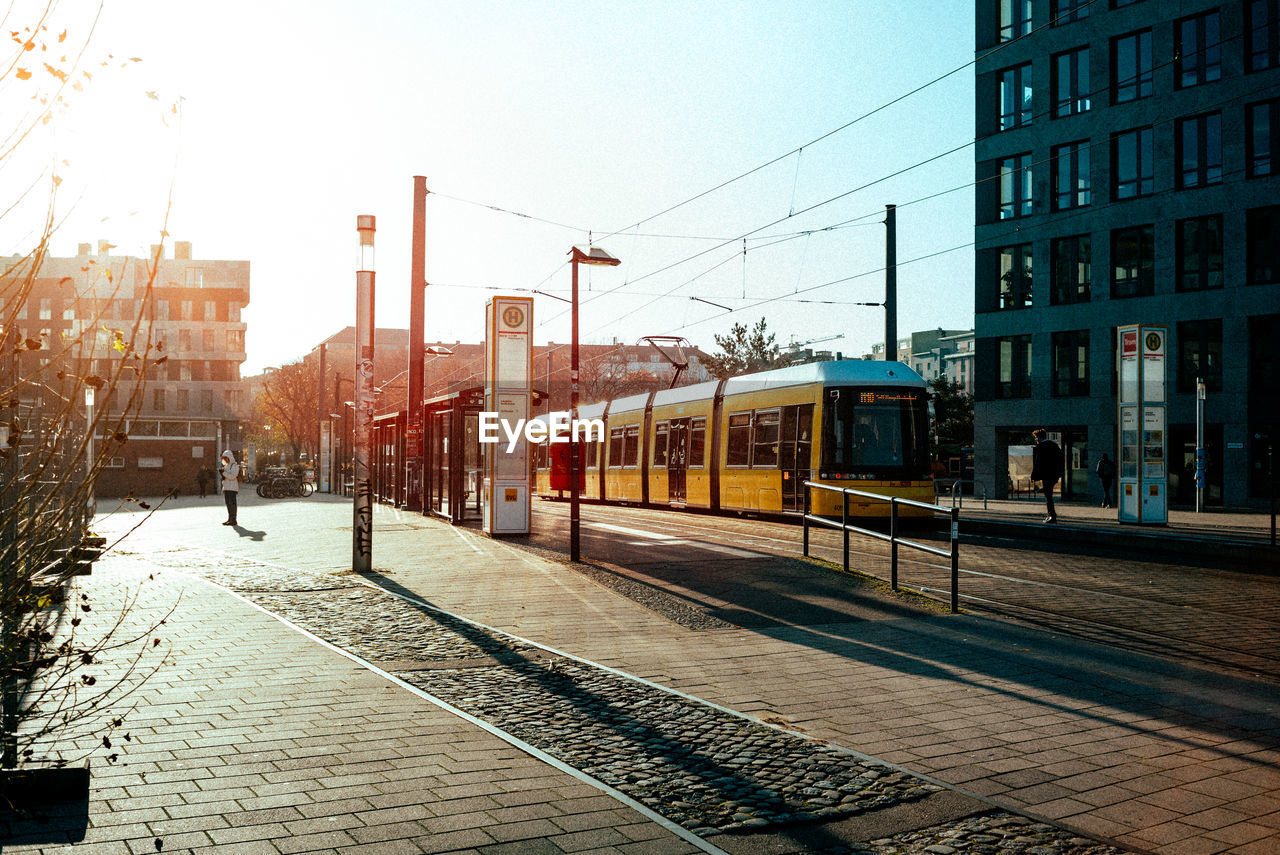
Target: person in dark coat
1107	475
1046	467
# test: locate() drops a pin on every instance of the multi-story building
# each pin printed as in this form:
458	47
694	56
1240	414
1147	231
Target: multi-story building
185	320
1127	173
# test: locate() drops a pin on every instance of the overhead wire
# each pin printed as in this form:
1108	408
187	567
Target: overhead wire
964	186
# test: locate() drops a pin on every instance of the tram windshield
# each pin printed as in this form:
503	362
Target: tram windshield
880	432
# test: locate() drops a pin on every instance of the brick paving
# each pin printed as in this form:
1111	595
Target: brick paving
268	741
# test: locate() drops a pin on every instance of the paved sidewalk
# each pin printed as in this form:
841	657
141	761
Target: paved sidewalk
1246	525
259	731
258	739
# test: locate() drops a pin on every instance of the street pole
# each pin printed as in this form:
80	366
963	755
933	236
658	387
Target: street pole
417	335
91	506
1200	461
321	412
891	283
362	528
574	461
593	256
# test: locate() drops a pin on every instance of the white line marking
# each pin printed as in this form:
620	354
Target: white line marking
633	532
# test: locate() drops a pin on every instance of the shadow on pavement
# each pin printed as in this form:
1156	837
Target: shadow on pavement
249	533
642	737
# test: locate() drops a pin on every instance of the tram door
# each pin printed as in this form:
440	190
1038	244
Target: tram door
795	453
677	461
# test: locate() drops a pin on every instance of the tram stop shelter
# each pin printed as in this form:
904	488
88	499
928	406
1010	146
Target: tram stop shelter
454	465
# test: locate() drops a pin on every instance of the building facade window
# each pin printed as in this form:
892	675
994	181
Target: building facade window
1071	82
206	400
188	310
1067	11
1071	175
194	277
1262	137
1262	31
184	340
1200	253
1015	277
1262	245
1071	363
1015	19
1198	49
235	341
1015	186
207	340
1014	377
1015	97
184	400
157	400
1131	67
1199	154
1133	172
46	309
1200	355
210	310
1133	262
1072	269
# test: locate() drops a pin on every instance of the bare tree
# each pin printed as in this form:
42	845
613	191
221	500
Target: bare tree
51	449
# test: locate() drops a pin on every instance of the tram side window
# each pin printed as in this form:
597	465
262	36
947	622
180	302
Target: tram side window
697	441
739	445
660	432
593	454
631	451
616	437
764	440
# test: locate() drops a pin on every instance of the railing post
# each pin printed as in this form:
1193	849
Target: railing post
805	517
844	526
893	542
955	560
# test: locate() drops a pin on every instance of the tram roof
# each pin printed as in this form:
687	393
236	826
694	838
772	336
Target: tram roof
844	372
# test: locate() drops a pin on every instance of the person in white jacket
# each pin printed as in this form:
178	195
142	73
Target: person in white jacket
230	485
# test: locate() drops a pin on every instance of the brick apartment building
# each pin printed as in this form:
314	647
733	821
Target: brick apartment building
189	313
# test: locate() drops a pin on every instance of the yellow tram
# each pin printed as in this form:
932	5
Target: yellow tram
748	444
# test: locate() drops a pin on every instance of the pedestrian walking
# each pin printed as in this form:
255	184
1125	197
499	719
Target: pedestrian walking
1046	467
202	480
1107	475
230	485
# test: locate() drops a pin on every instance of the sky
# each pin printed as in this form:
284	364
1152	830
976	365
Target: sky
259	131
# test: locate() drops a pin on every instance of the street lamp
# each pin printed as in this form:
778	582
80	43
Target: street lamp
596	256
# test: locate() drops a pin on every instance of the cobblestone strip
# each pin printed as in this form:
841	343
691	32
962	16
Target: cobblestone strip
708	770
703	768
990	834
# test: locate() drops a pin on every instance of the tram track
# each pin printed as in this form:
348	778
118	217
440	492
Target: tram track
1120	617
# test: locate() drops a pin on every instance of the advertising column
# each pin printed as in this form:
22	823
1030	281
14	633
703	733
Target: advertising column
508	395
1141	417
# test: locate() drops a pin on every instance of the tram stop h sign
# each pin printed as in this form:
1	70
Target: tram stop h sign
508	393
1141	404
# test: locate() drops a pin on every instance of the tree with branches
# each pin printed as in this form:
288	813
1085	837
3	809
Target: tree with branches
743	351
53	644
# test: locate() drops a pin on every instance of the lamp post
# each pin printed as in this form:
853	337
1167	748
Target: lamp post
597	256
362	507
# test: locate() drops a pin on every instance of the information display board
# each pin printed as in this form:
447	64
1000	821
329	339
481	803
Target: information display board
508	395
1141	407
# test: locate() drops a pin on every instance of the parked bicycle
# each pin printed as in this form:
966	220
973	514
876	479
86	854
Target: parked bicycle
284	486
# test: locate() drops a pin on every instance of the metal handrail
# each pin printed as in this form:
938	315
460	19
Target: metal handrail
893	539
954	492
